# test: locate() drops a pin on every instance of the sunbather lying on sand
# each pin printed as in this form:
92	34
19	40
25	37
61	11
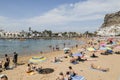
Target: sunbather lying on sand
99	68
57	60
75	59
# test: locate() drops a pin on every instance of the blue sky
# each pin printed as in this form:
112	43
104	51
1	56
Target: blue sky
29	8
55	15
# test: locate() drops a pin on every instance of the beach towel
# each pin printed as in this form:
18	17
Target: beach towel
78	78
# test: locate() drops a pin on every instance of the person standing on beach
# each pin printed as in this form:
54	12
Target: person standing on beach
64	45
15	59
1	65
7	62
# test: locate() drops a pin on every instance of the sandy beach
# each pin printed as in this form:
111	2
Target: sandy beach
83	68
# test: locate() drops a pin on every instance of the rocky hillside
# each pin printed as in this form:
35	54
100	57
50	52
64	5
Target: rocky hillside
111	25
111	19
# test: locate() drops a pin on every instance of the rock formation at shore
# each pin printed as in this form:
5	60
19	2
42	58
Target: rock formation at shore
111	19
111	25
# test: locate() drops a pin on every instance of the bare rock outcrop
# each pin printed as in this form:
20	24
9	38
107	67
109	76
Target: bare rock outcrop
111	19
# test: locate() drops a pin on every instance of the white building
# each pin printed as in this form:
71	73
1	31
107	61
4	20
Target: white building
109	31
9	34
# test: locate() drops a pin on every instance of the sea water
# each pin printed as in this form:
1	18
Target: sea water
33	46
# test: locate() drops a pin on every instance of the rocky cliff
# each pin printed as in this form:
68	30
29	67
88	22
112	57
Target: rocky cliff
112	19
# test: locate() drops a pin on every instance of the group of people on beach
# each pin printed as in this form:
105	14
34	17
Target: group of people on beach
5	64
94	44
73	59
32	68
68	76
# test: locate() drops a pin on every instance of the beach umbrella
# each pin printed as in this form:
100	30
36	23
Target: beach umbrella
37	59
65	49
105	48
102	48
77	54
108	48
91	49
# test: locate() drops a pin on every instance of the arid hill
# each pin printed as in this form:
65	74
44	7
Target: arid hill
111	19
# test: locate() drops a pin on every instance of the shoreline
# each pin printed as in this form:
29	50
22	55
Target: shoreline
45	52
83	68
45	49
49	52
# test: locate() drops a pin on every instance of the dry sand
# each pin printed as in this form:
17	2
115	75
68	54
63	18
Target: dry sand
83	68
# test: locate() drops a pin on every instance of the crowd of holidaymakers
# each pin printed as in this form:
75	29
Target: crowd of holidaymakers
5	64
73	58
69	75
82	53
72	75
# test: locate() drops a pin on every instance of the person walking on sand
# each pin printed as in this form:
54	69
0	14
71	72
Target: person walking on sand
15	59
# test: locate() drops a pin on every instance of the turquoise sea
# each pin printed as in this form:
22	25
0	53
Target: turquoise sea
33	46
